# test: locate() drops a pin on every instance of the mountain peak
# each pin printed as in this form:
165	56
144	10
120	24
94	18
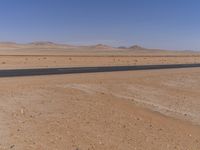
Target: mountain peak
137	47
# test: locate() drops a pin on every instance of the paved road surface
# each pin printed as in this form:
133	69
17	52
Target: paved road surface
54	71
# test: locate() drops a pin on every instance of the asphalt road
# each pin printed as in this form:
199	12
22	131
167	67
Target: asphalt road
75	70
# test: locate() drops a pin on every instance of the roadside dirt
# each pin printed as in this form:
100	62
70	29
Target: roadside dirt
12	62
135	110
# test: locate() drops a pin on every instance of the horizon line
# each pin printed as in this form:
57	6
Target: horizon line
94	44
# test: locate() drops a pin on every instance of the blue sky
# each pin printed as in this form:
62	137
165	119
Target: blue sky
169	24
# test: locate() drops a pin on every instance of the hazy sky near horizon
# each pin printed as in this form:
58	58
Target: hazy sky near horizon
168	24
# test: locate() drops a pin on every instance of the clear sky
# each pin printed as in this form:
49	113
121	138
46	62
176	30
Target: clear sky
169	24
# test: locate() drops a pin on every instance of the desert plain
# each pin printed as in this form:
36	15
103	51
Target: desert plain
130	110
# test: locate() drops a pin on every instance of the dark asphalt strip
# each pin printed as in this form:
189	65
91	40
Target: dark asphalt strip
74	70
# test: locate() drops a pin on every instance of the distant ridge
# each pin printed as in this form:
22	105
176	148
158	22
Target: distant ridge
137	47
134	48
47	45
122	47
101	46
42	43
9	45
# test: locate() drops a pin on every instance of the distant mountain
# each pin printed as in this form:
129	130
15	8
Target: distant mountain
9	45
47	44
137	47
101	47
122	47
42	43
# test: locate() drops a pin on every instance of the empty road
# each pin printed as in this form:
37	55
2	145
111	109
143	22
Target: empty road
74	70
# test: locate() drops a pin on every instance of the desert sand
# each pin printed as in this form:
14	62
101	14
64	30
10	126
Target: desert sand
47	54
132	110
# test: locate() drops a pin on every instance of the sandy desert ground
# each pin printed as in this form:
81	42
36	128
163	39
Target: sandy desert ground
42	55
46	61
133	110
